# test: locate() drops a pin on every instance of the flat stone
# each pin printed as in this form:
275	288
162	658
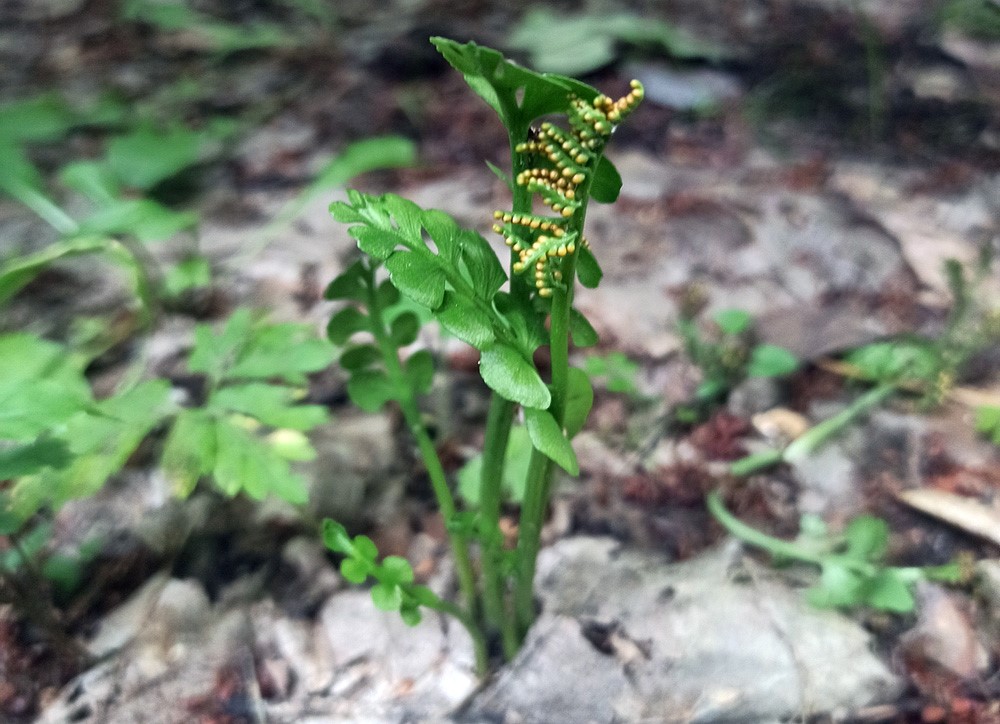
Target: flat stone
713	639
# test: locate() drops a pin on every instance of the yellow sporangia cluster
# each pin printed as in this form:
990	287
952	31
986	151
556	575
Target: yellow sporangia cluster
560	163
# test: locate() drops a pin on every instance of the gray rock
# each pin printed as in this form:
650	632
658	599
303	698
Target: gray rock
386	671
710	640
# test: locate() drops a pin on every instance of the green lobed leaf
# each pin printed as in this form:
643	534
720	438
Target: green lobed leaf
335	537
888	591
485	271
45	117
588	271
359	357
518	95
243	464
768	360
733	321
418	277
463	319
189	452
33	457
354	571
144	157
404	329
284	351
145	219
396	569
215	351
584	335
607	183
548	437
348	285
387	597
838	587
270	404
514	378
345	323
194	272
419	371
867	538
370	389
579	400
376	242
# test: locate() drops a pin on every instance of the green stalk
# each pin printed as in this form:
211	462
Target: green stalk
43	206
814	437
495	609
536	494
432	462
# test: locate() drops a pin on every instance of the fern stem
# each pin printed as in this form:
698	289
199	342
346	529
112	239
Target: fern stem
435	470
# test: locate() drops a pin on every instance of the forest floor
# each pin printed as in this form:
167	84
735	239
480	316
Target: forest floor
817	169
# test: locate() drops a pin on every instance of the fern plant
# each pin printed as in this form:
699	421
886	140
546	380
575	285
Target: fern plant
506	314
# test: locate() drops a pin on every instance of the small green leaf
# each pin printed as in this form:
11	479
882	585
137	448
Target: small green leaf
587	269
768	360
888	591
368	154
370	389
404	329
607	182
387	597
838	587
485	270
988	422
733	321
420	371
511	376
189	452
867	538
584	335
92	179
579	400
396	569
195	272
410	616
348	321
336	538
359	357
365	548
273	405
33	457
462	318
376	242
417	276
547	436
349	284
145	157
386	295
354	571
44	117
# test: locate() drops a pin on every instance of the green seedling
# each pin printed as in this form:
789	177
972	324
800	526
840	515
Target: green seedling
454	274
252	424
727	359
852	566
617	372
216	36
580	44
988	422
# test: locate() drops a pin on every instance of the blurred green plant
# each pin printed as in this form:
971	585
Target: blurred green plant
727	356
976	18
216	36
615	371
852	566
252	424
558	42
